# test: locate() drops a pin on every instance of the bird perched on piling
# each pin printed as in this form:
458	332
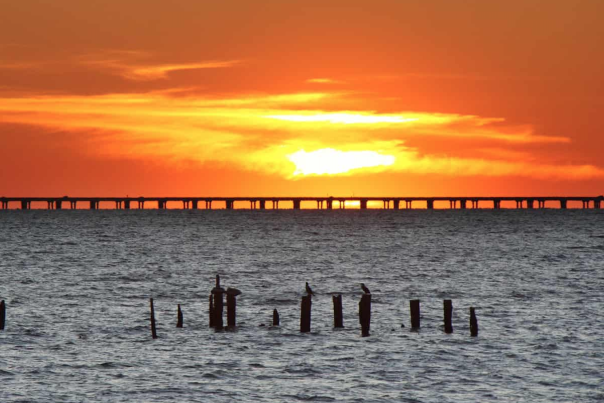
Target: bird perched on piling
309	290
365	289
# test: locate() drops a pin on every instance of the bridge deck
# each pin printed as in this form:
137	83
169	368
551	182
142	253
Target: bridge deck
322	202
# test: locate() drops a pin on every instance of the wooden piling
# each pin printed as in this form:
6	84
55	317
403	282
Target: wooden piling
473	323
231	310
218	309
448	310
218	292
211	310
2	315
179	321
415	318
365	314
153	329
338	319
305	314
276	321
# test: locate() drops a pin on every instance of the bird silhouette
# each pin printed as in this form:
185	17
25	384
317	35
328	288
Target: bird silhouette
365	289
309	290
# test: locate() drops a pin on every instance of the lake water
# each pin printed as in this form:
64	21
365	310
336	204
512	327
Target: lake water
77	283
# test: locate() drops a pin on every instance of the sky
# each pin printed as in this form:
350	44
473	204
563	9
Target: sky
301	98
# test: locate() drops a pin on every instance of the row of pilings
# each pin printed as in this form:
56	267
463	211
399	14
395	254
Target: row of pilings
216	313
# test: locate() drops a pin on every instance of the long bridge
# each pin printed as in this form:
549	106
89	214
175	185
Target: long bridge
330	202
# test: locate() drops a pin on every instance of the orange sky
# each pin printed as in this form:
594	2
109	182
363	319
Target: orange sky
381	97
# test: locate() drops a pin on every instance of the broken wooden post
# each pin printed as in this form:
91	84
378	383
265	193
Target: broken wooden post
275	317
231	310
2	315
218	305
218	308
473	323
448	308
365	314
211	310
232	294
414	306
180	317
338	320
153	329
305	314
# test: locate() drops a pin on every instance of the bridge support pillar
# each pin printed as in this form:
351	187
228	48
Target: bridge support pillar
208	204
59	205
25	205
229	204
397	204
297	204
430	204
530	203
409	204
597	203
462	204
497	204
161	204
195	204
329	203
92	205
262	204
563	204
363	204
585	203
453	204
127	204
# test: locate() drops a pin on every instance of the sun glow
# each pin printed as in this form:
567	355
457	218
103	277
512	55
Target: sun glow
328	161
343	118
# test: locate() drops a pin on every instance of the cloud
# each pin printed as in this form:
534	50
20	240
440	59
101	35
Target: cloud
262	132
343	118
134	65
17	66
323	81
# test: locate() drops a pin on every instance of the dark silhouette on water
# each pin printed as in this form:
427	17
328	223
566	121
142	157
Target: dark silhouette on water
338	317
152	318
365	289
179	320
309	290
233	292
2	315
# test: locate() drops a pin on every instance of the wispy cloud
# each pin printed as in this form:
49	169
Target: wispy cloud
134	65
261	132
323	81
18	66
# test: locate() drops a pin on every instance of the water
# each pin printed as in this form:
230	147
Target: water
77	284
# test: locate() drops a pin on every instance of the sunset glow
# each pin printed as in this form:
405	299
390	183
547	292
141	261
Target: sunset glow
299	105
331	162
344	118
